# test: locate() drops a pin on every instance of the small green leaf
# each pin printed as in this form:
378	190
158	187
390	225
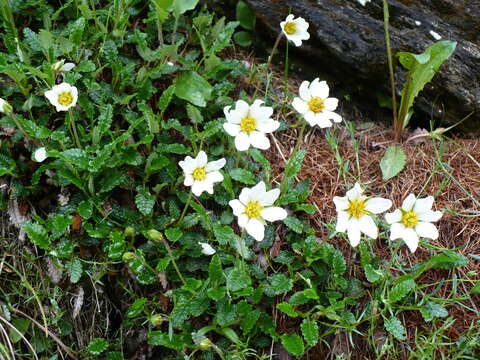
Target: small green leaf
97	346
294	224
192	87
392	162
433	310
310	331
243	176
395	328
293	344
400	290
166	98
372	274
215	271
278	284
37	235
237	279
294	164
288	309
136	308
75	270
144	201
173	234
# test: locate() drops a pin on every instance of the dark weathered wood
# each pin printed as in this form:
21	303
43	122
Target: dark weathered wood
347	41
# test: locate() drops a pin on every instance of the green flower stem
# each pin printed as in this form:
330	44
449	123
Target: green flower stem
269	61
185	208
172	259
295	149
286	73
74	128
20	127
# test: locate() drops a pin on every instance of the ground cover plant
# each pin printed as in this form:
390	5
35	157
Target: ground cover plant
166	197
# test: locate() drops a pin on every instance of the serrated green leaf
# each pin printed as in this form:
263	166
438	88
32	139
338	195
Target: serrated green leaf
310	331
288	309
400	290
159	338
294	164
294	224
7	165
37	235
237	279
136	308
433	310
97	346
144	201
250	320
395	328
243	176
293	344
278	284
166	98
372	274
224	234
75	270
192	87
448	260
173	234
393	161
215	271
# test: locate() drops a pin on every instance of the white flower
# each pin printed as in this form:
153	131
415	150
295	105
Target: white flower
62	96
315	105
207	249
249	124
40	154
414	220
295	30
201	174
363	2
354	214
61	66
254	206
5	107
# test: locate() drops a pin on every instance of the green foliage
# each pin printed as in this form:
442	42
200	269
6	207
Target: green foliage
395	328
293	344
393	161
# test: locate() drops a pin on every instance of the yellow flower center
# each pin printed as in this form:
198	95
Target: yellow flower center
65	98
409	219
356	208
290	28
199	174
248	124
253	209
316	104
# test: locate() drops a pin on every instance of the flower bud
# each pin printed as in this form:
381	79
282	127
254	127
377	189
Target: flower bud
128	256
155	235
156	319
40	154
58	65
5	107
205	344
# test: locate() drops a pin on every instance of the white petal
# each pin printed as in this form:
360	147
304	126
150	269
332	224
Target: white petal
258	191
353	232
207	249
67	67
297	41
323	120
269	197
342	221
430	216
411	239
242	108
331	104
290	17
40	154
201	159
304	91
188	165
393	217
310	117
427	230
268	126
198	188
368	226
260	112
242	141
189	180
237	207
300	105
244	196
259	140
255	229
341	203
242	220
52	96
396	231
423	205
274	213
332	116
231	129
214	177
408	203
355	193
378	205
319	89
215	165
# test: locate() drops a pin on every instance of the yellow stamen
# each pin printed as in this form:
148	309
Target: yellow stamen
248	124
409	219
65	98
253	209
290	28
199	174
316	104
356	208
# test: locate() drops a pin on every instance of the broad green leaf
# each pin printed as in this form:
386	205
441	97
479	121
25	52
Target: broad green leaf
166	98
250	320
400	290
278	284
288	309
215	271
194	114
192	87
136	308
175	341
245	16
310	331
421	69
182	6
173	234
237	279
392	162
144	201
433	310
46	39
448	260
7	165
395	328
372	274
293	344
224	234
243	38
103	124
37	235
294	224
75	270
